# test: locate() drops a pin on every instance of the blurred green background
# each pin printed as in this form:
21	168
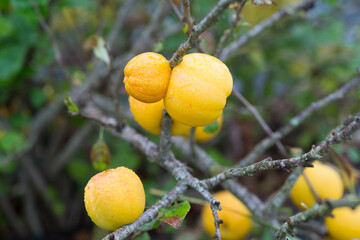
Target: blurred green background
300	59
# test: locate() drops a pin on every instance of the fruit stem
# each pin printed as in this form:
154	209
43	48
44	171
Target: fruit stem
101	133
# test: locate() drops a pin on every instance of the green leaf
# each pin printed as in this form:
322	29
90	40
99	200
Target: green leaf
175	215
11	141
219	157
100	50
149	226
80	170
123	154
212	127
144	236
8	167
70	104
19	121
158	47
37	97
6	27
11	60
77	3
354	155
58	206
185	28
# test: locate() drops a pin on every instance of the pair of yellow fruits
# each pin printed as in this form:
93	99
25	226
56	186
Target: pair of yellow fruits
193	93
325	181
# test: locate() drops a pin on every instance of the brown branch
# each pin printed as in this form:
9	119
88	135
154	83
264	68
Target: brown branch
175	9
162	156
149	214
208	167
282	194
53	42
304	160
165	143
187	16
296	121
65	154
205	23
318	210
123	12
227	33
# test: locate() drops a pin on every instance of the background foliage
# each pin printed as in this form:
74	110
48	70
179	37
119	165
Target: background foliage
300	59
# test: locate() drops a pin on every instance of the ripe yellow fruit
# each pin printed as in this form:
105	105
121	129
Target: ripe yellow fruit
345	224
200	134
198	89
114	197
149	117
147	77
324	179
236	217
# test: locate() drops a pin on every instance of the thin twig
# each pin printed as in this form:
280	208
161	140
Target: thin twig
296	121
318	210
94	79
165	142
259	28
227	33
56	49
209	167
65	154
161	156
15	221
176	10
187	16
305	160
260	120
282	194
149	214
205	23
192	142
123	12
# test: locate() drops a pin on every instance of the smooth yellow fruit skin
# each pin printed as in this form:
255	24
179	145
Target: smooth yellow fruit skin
236	217
325	180
198	89
345	224
147	77
200	134
149	117
114	197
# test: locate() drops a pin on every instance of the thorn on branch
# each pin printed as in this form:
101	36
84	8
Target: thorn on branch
216	203
310	165
120	126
